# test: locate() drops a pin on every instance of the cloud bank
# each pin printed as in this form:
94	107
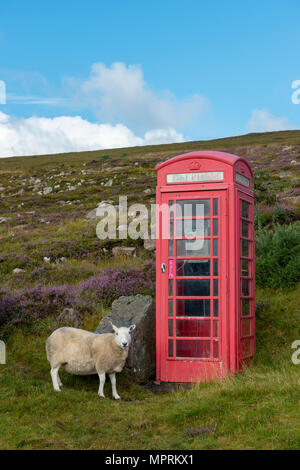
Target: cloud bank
38	135
262	120
120	94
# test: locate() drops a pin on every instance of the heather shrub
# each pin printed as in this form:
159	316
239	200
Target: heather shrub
39	302
278	256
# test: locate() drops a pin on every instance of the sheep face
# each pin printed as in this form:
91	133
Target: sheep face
123	335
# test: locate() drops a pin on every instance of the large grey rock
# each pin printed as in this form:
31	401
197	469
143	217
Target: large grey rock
139	310
69	317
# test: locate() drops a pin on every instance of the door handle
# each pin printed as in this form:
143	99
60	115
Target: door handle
163	267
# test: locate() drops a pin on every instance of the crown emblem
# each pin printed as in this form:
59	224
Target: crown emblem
194	165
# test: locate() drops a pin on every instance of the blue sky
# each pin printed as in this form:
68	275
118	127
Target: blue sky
151	72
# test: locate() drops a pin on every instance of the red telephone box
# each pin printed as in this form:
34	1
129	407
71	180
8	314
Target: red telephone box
205	318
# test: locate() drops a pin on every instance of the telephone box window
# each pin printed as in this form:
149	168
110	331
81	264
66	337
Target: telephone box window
193	267
198	247
193	288
170	308
193	227
193	208
193	308
245	209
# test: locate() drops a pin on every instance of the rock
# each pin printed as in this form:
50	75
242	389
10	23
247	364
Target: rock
139	310
147	191
2	220
46	259
124	250
70	317
47	190
18	271
109	182
149	244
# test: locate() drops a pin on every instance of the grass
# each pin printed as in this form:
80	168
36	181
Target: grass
257	409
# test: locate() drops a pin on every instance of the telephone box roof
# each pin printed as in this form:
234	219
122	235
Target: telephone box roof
224	157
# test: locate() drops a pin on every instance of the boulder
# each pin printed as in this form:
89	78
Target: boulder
124	251
18	271
69	317
149	244
139	310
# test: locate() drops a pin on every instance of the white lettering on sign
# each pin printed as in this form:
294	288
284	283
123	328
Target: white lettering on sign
242	179
195	177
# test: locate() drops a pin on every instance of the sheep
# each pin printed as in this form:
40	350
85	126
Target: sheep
86	353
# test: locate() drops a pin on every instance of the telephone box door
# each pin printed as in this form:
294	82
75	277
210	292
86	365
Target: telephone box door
193	284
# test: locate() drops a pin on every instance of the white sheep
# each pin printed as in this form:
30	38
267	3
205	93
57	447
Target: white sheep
86	353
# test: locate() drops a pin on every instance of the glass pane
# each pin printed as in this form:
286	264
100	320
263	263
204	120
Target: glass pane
216	262
193	348
193	288
170	247
216	307
196	328
245	307
215	247
198	247
216	349
171	228
193	228
170	287
245	268
246	325
245	248
215	328
193	308
215	207
216	287
245	229
193	208
170	327
216	227
246	347
245	209
170	348
245	287
171	209
199	267
170	308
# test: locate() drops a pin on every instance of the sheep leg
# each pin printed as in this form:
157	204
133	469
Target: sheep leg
59	381
101	386
54	377
113	386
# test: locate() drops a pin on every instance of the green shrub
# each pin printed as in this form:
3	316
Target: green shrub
278	256
105	157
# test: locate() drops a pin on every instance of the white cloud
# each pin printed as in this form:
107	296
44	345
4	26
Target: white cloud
37	135
120	94
262	120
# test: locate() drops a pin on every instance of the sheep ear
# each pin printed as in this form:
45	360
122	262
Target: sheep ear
114	327
132	328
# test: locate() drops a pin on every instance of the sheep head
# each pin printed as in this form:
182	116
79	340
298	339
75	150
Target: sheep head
123	335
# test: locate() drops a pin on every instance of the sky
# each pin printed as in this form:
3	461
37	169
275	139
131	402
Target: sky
94	74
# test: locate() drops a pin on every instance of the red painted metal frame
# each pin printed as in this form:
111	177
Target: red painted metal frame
230	193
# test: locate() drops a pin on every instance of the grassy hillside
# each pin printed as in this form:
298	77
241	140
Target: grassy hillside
44	233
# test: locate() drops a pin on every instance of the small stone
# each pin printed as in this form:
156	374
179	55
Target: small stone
18	271
109	182
69	317
124	250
